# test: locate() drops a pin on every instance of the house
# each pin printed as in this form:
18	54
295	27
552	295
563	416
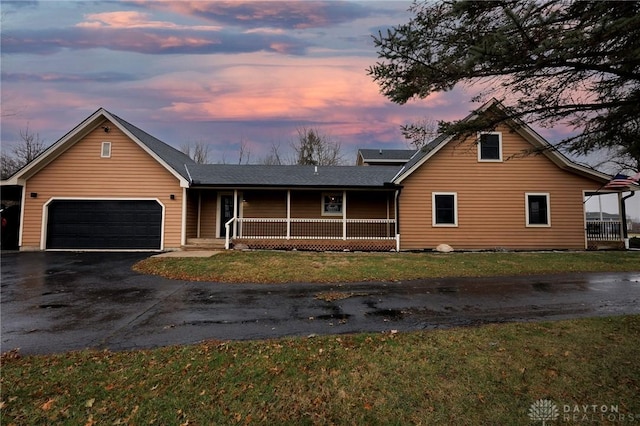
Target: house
109	185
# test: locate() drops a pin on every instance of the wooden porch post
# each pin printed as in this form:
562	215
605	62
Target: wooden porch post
199	211
235	213
344	214
183	225
288	214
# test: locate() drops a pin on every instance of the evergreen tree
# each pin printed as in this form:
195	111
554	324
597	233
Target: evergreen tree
576	62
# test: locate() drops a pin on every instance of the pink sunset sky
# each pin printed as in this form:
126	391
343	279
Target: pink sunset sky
223	73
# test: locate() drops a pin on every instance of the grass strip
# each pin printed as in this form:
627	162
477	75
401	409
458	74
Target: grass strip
485	375
284	267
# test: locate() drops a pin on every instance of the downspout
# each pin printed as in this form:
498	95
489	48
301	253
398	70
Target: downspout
623	212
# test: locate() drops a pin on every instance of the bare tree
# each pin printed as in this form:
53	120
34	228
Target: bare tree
314	148
420	133
245	152
24	152
274	157
8	165
198	151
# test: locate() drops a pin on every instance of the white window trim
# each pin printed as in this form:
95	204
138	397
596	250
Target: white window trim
490	160
106	145
526	210
455	210
327	194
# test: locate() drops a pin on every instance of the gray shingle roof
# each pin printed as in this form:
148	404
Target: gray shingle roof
228	175
386	154
174	158
248	175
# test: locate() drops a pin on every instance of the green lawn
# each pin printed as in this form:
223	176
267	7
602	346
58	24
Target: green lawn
282	267
470	376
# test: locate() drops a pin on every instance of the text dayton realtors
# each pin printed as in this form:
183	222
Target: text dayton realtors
596	413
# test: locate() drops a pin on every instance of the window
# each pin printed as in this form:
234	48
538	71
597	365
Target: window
490	147
332	204
537	210
445	209
106	150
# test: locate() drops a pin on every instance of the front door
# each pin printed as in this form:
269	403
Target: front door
226	212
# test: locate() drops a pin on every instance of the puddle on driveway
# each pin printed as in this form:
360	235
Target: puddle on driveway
390	314
447	290
53	306
341	317
541	286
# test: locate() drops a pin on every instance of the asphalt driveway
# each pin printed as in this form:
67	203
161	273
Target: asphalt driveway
59	301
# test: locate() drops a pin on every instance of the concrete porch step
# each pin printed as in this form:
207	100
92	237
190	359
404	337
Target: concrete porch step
197	244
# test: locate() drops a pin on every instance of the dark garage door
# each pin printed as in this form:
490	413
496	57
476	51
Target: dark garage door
100	224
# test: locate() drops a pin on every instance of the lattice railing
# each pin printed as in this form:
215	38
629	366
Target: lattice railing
309	229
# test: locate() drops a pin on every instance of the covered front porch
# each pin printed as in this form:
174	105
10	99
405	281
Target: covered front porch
301	219
606	221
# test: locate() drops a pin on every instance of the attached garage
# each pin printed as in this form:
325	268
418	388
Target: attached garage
104	224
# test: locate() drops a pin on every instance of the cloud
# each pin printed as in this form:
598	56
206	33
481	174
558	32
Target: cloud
148	41
274	88
273	14
132	19
52	77
9	6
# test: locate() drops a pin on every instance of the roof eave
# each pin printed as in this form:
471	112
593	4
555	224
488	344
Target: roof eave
75	135
58	147
404	173
554	155
184	182
384	186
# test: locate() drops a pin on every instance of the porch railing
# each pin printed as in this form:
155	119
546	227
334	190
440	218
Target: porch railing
310	229
604	231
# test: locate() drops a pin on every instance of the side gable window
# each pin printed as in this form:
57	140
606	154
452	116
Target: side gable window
490	146
331	204
106	150
537	209
445	209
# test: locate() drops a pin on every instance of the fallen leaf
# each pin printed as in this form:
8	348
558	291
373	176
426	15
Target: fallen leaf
90	402
47	405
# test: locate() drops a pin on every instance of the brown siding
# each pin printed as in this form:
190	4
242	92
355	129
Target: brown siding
360	205
192	213
307	205
491	200
80	172
370	205
264	204
208	214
